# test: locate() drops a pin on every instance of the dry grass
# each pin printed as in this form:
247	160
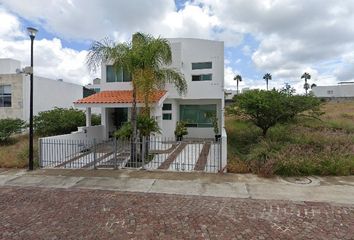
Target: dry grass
15	153
305	147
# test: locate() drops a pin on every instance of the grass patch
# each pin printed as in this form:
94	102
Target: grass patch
14	154
304	147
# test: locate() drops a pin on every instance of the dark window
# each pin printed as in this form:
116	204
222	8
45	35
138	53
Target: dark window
197	115
117	76
202	77
167	116
202	65
5	95
167	106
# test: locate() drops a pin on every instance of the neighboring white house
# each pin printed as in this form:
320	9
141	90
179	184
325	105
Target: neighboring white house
48	93
342	90
202	64
95	85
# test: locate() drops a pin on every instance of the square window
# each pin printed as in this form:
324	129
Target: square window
167	116
167	107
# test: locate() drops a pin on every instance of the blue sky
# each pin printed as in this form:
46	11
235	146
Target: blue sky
285	38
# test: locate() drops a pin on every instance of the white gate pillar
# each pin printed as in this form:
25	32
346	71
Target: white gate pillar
88	117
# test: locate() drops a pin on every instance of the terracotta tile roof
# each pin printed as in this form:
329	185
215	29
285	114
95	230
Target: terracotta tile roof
124	96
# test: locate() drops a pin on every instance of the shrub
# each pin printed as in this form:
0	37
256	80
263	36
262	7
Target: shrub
181	129
8	127
125	131
145	125
61	121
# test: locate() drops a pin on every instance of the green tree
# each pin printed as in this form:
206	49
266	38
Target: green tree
306	76
268	108
9	126
267	77
238	79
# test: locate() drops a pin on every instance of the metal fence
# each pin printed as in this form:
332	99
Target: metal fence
144	153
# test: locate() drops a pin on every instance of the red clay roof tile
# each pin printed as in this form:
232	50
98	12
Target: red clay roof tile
119	96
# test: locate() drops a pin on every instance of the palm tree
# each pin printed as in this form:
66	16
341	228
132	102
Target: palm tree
156	54
144	58
238	79
306	76
267	77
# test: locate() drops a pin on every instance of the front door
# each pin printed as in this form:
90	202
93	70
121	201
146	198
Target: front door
120	116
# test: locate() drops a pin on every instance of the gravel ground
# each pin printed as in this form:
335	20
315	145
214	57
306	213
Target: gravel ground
47	213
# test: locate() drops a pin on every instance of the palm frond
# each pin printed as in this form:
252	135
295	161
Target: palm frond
172	76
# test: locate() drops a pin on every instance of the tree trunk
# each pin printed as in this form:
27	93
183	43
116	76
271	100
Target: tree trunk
134	123
267	83
237	86
264	132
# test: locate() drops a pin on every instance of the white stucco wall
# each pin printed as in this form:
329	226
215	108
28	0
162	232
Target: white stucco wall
194	51
9	66
48	93
345	90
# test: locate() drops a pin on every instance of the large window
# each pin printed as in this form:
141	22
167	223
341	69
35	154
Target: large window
117	76
202	77
202	65
197	115
5	95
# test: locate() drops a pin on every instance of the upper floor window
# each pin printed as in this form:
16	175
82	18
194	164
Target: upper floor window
202	77
167	106
330	92
202	65
5	95
117	76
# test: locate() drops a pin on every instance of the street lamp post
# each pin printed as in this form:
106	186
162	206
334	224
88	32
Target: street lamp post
32	34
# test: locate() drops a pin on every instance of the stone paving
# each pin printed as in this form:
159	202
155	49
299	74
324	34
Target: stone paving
50	213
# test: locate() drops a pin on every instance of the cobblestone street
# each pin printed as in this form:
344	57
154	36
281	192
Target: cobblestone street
45	213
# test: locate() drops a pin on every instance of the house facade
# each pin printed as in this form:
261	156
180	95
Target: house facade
202	64
48	93
344	90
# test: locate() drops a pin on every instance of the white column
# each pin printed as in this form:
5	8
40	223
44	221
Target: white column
88	117
105	122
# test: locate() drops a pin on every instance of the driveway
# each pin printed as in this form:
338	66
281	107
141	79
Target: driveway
50	213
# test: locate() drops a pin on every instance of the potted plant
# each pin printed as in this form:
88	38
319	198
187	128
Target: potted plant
214	122
180	131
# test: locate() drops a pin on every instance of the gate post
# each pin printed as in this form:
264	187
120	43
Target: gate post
143	152
94	154
115	153
220	160
40	156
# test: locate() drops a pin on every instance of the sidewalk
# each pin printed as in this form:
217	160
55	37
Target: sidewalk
338	190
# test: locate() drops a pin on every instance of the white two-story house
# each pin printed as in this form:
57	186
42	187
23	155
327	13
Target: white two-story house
202	64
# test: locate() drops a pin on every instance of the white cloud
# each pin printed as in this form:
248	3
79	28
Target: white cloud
294	36
51	59
10	26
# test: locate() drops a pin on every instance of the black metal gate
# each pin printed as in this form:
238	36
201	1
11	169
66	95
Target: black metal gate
154	153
